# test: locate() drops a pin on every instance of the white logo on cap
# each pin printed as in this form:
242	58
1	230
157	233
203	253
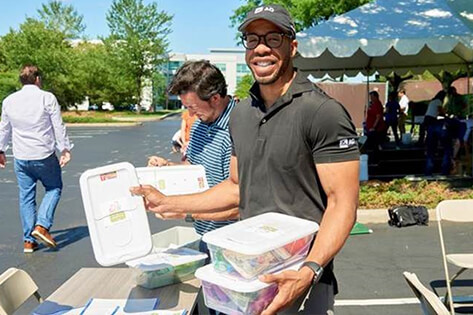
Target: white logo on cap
261	9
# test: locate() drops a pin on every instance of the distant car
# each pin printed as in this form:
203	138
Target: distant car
93	107
133	107
107	106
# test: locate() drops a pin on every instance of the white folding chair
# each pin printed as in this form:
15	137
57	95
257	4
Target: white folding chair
431	304
454	211
16	286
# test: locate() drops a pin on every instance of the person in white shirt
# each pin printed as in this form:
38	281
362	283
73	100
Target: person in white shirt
404	105
32	119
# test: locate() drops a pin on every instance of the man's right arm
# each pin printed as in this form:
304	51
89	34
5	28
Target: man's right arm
5	134
222	197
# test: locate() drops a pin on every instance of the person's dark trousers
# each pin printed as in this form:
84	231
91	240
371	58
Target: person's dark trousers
373	142
394	125
446	138
431	142
28	173
428	121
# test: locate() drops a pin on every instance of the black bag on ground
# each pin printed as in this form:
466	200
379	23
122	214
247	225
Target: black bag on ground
406	215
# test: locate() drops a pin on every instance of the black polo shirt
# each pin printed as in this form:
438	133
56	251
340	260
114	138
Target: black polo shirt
277	149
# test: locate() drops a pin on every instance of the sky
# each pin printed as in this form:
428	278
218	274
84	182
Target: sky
197	26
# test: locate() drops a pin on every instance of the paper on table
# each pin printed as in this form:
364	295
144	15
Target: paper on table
119	306
52	308
156	312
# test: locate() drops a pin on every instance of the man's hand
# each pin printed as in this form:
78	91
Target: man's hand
65	158
170	216
151	196
3	160
157	161
291	284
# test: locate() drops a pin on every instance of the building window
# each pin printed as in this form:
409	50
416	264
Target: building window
221	66
174	65
242	68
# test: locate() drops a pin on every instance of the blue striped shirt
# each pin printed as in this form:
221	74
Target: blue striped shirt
211	146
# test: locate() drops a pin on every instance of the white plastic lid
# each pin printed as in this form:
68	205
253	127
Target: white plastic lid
173	257
208	274
117	220
174	180
260	234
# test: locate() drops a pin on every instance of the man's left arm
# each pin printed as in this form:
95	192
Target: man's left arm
340	183
62	140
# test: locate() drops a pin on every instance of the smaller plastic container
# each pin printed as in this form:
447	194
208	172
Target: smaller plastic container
232	296
167	267
261	244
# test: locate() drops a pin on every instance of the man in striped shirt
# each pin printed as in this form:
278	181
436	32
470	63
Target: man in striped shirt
203	91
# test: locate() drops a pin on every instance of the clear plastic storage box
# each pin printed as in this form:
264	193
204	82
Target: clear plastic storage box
261	244
117	220
230	295
167	267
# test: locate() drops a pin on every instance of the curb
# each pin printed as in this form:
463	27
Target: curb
376	216
122	124
136	119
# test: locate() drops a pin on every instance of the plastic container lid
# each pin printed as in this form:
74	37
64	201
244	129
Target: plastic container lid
174	180
208	274
173	257
117	220
260	234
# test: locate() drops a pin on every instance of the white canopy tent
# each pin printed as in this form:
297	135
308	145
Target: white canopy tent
391	35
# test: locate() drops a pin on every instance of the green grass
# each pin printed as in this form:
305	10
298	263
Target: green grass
86	119
375	194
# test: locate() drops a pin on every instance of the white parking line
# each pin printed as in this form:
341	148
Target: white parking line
371	302
72	137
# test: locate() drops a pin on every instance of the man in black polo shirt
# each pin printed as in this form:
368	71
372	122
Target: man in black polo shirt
294	152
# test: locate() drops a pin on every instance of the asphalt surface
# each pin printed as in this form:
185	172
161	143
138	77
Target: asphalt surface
369	266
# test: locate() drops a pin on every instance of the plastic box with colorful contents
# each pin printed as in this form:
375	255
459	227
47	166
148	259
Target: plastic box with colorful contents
262	244
237	297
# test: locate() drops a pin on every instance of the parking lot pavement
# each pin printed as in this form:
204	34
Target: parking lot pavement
369	266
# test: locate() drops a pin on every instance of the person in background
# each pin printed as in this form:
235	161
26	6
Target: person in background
375	125
391	114
435	132
404	110
203	91
456	108
294	151
32	118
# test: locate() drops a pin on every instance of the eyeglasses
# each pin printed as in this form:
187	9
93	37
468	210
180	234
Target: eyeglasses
271	39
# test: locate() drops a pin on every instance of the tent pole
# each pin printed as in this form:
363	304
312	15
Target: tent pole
367	98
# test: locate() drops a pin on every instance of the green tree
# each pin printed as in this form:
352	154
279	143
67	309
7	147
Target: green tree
138	40
243	87
34	43
306	13
9	83
159	89
95	72
63	18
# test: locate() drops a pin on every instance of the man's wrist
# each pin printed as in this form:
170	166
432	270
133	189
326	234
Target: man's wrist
189	217
313	269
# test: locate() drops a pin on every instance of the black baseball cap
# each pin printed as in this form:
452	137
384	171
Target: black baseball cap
273	13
